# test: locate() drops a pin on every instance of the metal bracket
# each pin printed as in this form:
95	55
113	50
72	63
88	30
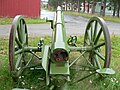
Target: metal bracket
105	71
40	44
72	40
51	21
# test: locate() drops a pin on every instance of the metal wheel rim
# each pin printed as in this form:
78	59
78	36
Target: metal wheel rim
106	36
18	26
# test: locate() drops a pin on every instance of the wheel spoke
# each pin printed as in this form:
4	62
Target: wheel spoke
87	42
18	51
98	36
18	42
88	60
19	33
24	42
22	30
18	61
25	37
100	55
97	61
95	30
91	31
25	33
89	36
94	61
21	25
100	45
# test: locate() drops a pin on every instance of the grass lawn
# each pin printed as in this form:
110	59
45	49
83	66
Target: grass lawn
32	78
86	15
4	21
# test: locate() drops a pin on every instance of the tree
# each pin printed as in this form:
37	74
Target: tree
93	6
116	7
103	7
55	3
84	6
88	6
78	5
66	2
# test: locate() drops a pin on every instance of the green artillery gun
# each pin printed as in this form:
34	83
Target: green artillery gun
95	54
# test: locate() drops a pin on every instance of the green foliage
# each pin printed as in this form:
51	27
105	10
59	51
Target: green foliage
55	3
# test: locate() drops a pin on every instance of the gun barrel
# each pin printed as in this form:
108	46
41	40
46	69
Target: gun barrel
59	26
59	44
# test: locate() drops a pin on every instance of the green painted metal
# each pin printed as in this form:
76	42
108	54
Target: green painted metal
45	58
27	49
59	34
19	38
59	43
62	69
105	71
45	62
95	30
72	41
77	59
55	56
87	48
18	47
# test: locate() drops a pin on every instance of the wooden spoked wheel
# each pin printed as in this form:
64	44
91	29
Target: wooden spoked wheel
97	37
17	41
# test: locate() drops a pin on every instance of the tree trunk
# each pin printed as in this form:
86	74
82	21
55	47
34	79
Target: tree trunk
78	5
84	6
118	10
72	3
66	4
88	7
104	7
93	6
114	10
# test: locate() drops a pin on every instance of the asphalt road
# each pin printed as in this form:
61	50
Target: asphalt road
74	26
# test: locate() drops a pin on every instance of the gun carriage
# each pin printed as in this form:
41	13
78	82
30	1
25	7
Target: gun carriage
55	59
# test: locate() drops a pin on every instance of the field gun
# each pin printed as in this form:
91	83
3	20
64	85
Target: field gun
55	59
